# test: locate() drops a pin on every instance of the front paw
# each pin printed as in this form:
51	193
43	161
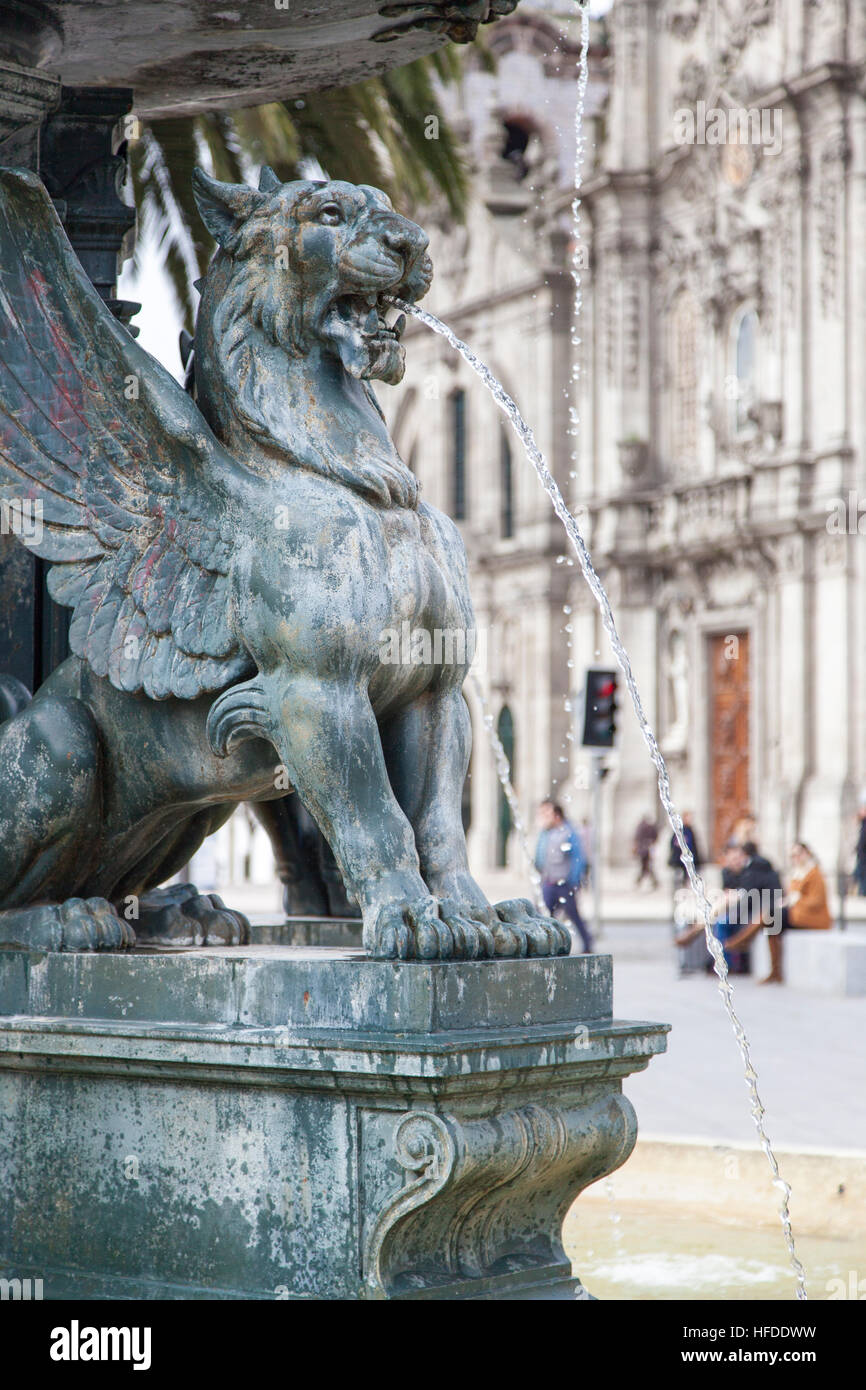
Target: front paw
409	931
473	928
181	916
521	931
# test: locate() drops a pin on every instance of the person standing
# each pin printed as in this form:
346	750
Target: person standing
644	840
675	858
560	860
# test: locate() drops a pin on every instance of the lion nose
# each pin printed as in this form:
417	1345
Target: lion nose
406	238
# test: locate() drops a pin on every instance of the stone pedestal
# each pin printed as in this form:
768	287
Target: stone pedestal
275	1122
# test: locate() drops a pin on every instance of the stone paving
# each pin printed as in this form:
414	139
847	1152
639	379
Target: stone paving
809	1052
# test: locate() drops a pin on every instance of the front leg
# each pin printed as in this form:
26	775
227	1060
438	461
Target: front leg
325	732
427	747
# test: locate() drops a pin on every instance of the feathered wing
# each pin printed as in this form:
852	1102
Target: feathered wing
126	472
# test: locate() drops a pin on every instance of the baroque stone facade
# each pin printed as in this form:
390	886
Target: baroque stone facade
721	462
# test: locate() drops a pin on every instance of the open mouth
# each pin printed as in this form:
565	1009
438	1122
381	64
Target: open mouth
364	329
368	315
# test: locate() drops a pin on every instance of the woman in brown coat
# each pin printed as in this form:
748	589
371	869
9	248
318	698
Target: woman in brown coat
807	892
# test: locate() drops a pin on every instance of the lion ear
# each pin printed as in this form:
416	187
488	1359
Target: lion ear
268	180
224	207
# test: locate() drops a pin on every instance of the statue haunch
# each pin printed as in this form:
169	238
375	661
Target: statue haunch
232	566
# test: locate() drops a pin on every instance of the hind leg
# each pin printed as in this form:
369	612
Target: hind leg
49	811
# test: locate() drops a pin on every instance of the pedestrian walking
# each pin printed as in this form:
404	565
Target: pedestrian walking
560	860
642	847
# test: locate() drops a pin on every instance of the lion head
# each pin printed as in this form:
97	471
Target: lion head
297	318
321	263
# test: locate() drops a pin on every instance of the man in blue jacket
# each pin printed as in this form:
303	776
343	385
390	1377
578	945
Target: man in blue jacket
560	860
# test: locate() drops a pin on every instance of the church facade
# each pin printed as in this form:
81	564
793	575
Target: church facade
719	464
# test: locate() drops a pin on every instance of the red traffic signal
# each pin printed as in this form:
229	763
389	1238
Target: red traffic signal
599	708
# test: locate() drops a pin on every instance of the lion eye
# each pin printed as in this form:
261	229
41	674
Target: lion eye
331	212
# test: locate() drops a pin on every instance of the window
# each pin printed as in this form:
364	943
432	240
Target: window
515	146
744	396
458	455
506	471
684	380
504	824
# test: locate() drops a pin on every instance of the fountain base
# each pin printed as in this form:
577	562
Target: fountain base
268	1122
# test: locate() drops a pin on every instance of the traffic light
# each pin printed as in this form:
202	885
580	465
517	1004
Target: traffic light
599	708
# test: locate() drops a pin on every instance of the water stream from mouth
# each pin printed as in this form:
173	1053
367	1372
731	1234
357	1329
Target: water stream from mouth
548	482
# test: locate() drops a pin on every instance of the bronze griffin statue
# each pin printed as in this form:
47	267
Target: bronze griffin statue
231	565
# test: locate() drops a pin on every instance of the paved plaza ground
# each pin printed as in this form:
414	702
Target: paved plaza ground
809	1052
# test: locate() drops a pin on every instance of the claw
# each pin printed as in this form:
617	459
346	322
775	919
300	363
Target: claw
539	936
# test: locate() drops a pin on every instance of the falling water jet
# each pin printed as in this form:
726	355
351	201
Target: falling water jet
539	463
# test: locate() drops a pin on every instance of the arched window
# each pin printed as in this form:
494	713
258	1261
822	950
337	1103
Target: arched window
515	147
457	405
506	473
504	824
684	380
744	370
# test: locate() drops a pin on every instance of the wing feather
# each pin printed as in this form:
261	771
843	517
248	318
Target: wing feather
127	477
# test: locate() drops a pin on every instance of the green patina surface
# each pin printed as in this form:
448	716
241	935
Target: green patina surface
263	1122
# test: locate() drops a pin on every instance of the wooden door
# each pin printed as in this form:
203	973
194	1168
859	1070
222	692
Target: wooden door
730	779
